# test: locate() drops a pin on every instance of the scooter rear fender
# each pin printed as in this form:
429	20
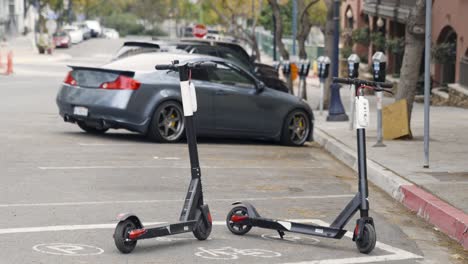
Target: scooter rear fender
130	216
251	211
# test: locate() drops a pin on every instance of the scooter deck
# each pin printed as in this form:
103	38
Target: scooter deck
166	230
307	229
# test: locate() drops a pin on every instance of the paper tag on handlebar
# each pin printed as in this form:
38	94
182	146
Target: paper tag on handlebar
362	112
193	96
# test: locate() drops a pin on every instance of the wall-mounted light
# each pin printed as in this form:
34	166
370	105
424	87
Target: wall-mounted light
349	14
380	22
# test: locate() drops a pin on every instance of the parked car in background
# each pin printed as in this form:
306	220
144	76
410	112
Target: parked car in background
110	33
85	29
95	26
62	39
232	103
75	33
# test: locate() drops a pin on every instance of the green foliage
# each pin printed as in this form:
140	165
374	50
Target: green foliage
444	53
125	23
317	15
378	40
346	52
396	45
361	36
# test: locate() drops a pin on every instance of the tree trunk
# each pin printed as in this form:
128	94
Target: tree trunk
279	29
414	48
304	26
329	29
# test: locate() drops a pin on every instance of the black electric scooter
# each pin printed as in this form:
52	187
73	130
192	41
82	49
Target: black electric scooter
195	216
244	215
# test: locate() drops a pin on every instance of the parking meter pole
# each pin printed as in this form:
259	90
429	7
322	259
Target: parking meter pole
352	102
379	96
304	88
322	88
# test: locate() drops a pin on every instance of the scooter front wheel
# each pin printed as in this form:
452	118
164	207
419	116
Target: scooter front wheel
202	229
237	228
121	240
367	242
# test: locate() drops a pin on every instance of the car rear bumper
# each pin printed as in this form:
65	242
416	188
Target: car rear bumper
106	108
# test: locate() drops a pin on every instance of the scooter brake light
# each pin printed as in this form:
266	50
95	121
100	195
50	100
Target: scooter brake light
134	234
238	218
209	218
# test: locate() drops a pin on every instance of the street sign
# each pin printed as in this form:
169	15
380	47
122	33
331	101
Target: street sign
199	31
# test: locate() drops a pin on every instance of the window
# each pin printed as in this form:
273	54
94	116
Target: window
229	76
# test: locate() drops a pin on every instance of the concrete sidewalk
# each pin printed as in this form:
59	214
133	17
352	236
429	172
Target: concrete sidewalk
438	194
25	53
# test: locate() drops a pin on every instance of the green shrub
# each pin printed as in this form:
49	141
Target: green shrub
125	24
361	36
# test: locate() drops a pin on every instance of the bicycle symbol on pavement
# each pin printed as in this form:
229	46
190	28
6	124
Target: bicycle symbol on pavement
229	253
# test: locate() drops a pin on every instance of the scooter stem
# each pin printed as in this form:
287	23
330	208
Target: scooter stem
362	170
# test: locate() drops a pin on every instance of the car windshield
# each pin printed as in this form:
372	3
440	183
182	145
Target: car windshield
127	51
60	34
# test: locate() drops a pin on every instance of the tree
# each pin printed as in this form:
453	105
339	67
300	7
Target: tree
279	29
328	32
414	47
230	11
313	13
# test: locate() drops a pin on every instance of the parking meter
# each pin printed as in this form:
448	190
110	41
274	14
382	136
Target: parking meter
379	66
286	67
323	67
353	66
304	68
353	72
323	71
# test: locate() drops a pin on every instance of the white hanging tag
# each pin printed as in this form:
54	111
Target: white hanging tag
193	96
362	112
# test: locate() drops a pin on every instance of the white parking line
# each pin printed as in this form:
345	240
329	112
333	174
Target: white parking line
172	167
394	253
178	201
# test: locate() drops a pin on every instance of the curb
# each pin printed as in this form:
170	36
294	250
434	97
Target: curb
448	219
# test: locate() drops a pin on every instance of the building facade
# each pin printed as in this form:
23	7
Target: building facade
11	17
389	17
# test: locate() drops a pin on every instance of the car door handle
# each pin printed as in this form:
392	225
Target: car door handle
221	92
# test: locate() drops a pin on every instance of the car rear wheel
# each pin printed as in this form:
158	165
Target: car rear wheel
92	130
296	128
167	124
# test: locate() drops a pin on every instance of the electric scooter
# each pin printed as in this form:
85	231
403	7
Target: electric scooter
244	215
195	216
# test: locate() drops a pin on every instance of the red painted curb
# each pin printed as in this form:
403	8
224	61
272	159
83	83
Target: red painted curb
447	218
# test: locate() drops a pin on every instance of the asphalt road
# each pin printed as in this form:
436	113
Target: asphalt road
61	189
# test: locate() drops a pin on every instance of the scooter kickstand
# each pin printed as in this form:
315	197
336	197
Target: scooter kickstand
281	233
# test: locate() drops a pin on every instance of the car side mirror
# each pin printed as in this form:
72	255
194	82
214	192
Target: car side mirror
260	86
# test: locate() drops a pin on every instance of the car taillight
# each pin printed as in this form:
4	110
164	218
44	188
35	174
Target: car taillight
122	83
70	80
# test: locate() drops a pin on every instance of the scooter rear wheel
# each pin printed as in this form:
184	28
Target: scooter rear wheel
202	230
121	236
236	228
367	243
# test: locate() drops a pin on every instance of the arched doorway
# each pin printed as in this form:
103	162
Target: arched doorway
446	54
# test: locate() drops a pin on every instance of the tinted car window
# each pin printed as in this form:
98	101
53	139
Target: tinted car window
200	74
229	76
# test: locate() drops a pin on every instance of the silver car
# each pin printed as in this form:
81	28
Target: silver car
232	103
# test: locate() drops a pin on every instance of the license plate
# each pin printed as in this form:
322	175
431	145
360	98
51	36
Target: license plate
81	111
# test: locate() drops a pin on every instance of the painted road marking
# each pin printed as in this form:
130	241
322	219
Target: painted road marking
228	253
66	249
396	253
166	158
291	237
178	200
173	167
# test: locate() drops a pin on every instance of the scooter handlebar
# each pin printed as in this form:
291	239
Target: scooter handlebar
165	67
192	65
359	82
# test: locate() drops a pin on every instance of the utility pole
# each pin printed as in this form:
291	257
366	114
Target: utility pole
294	26
427	80
336	110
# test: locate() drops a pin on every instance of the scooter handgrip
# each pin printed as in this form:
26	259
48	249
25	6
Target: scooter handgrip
342	80
164	67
